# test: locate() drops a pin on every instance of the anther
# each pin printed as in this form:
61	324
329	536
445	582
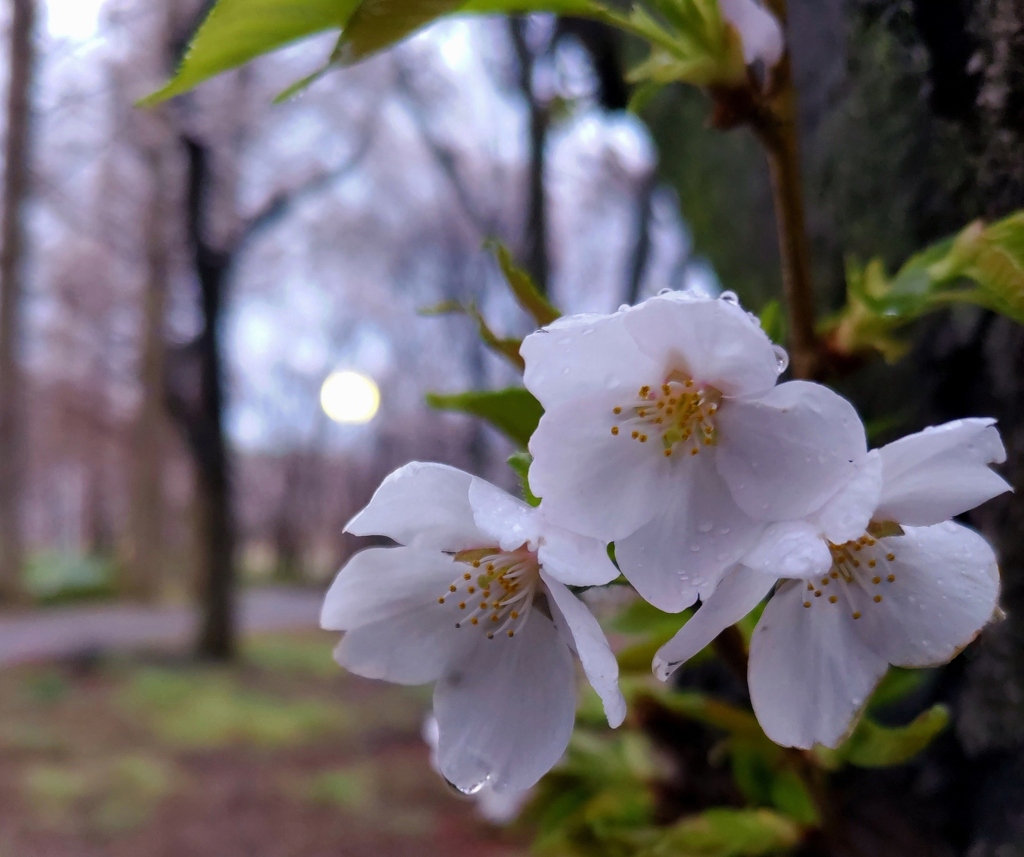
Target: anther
668	453
490	636
891	578
876	580
832	599
452	588
695	451
615	430
440	600
511	633
666	389
856	614
642	438
476	563
872	563
817	593
616	410
890	556
807	604
635	435
877	599
474	621
471	589
467	576
462	605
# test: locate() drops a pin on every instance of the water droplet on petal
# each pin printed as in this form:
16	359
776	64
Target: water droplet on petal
730	298
473	789
705	527
665	291
781	358
623	307
588	331
695	548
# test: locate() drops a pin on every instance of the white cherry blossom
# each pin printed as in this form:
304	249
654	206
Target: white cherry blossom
664	431
476	599
759	30
877	576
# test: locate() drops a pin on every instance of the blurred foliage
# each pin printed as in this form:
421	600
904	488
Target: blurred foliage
293	654
113	795
54	578
208	709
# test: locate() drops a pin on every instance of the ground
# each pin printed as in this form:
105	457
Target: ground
282	755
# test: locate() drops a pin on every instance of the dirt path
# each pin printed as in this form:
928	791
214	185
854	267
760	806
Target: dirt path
61	632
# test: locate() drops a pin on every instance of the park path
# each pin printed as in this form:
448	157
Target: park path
61	632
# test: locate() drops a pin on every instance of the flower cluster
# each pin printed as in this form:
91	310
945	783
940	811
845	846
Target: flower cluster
666	433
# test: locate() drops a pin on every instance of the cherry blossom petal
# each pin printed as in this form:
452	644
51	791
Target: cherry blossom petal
505	708
411	647
846	516
591	482
759	30
575	560
787	452
945	588
791	549
584	355
712	341
506	520
943	471
421	505
574	620
380	583
810	672
740	591
697	533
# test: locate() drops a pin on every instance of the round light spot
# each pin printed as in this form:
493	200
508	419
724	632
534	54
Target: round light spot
349	397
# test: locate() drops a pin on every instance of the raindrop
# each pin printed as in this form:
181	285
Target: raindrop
565	370
476	788
665	291
781	358
623	307
695	548
724	531
730	298
705	527
588	331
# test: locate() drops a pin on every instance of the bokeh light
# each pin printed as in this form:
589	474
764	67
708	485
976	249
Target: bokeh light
349	397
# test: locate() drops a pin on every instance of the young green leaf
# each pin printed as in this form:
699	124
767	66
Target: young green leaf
728	833
875	746
505	346
378	24
520	462
513	411
237	31
523	289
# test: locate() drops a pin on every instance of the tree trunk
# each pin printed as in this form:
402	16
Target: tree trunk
195	391
535	253
12	405
144	572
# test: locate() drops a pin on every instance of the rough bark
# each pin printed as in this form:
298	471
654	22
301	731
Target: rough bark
16	190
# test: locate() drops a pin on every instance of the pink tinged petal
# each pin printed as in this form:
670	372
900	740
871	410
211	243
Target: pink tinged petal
575	560
412	647
810	673
759	30
698	534
846	516
786	453
591	645
505	520
592	482
584	355
421	505
740	591
380	583
940	472
505	708
945	589
712	341
790	549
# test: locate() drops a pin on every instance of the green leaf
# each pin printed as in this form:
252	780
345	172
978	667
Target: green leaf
378	24
520	462
237	31
773	321
505	346
523	289
705	709
513	411
728	833
643	95
896	686
875	746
